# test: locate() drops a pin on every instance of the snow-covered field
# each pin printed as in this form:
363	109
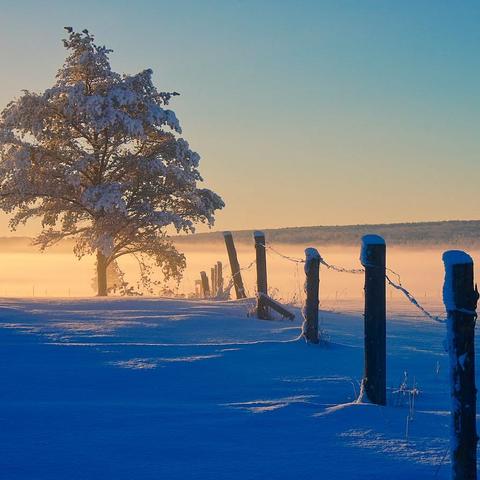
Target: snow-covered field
175	389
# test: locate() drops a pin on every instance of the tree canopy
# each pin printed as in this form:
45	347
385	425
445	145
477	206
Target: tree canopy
99	157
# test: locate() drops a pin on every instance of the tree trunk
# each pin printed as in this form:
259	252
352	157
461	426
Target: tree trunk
101	274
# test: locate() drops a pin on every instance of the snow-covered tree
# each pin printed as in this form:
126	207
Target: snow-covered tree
99	158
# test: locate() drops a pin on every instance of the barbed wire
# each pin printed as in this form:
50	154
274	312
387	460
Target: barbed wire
340	269
286	257
398	286
322	261
226	290
413	300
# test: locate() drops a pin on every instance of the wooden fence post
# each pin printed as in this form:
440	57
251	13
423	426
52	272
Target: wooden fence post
234	265
460	298
215	276
220	277
261	260
373	258
198	288
312	272
213	285
205	286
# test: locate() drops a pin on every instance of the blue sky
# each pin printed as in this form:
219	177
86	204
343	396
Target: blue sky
304	112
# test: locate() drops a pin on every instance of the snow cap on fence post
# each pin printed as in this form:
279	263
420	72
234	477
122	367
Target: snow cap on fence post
460	297
450	259
310	255
367	241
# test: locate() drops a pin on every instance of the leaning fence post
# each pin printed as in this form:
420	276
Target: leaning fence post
234	265
460	298
205	286
261	260
312	272
373	257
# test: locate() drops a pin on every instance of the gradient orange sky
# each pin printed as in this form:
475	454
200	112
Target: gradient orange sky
304	112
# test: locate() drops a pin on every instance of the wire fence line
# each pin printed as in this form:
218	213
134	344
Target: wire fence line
336	268
396	285
228	288
413	300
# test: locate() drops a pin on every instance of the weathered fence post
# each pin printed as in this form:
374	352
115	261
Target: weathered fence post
261	260
213	282
198	288
215	276
220	278
373	258
312	272
460	298
234	265
205	286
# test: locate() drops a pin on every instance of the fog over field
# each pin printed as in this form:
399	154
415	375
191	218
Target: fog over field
58	273
421	270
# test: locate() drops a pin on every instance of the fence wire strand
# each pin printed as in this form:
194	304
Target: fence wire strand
397	286
340	269
413	300
230	283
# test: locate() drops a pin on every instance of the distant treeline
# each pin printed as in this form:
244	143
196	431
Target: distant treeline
449	234
452	234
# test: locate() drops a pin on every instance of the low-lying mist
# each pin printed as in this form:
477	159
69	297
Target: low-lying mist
26	272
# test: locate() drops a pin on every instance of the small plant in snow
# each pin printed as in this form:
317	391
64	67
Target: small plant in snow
406	394
323	335
274	294
98	157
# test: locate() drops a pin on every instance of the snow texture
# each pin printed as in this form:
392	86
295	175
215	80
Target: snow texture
450	259
368	240
155	388
310	254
